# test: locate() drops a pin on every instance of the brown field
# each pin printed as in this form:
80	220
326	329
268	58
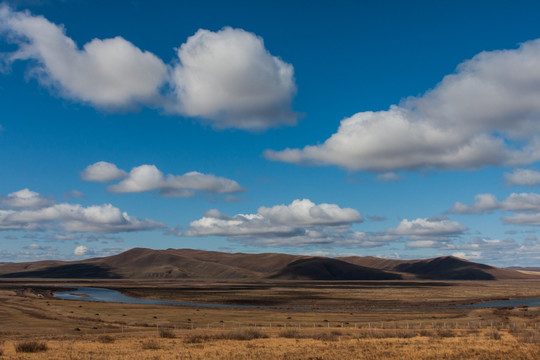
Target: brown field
63	329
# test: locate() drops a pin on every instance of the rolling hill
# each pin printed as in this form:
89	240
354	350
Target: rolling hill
140	263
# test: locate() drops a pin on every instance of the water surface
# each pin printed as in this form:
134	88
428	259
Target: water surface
115	296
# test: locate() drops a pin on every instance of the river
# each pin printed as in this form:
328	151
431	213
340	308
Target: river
114	296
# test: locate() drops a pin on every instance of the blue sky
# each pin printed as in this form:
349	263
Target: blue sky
394	129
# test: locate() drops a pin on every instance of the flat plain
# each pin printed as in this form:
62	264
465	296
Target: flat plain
305	320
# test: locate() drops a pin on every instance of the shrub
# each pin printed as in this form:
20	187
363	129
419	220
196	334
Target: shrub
30	347
151	345
396	333
290	334
445	333
166	333
331	336
106	339
247	334
494	334
197	339
244	334
402	333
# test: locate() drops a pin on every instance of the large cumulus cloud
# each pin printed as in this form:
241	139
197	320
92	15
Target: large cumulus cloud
228	77
486	113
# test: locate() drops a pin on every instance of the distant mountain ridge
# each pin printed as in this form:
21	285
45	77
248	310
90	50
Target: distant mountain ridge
141	263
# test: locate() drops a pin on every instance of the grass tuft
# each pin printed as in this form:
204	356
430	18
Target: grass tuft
330	336
445	333
246	334
166	334
151	345
105	339
198	339
30	347
290	334
493	334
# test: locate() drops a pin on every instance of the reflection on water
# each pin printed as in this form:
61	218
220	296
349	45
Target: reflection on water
109	295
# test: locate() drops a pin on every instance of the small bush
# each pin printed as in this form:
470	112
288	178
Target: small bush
198	339
105	339
387	334
30	347
425	332
166	333
331	336
247	334
403	333
494	334
151	345
244	334
290	334
444	333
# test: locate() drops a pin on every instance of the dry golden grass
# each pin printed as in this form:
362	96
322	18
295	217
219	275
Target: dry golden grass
332	344
530	272
91	330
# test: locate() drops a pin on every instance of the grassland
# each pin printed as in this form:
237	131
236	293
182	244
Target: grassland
90	330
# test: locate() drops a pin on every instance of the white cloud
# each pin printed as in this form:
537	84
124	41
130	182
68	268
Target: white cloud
526	202
105	73
472	255
486	113
102	171
503	251
300	223
80	250
522	219
148	178
26	198
227	77
428	227
305	212
523	177
422	244
239	225
36	247
526	208
74	218
482	203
